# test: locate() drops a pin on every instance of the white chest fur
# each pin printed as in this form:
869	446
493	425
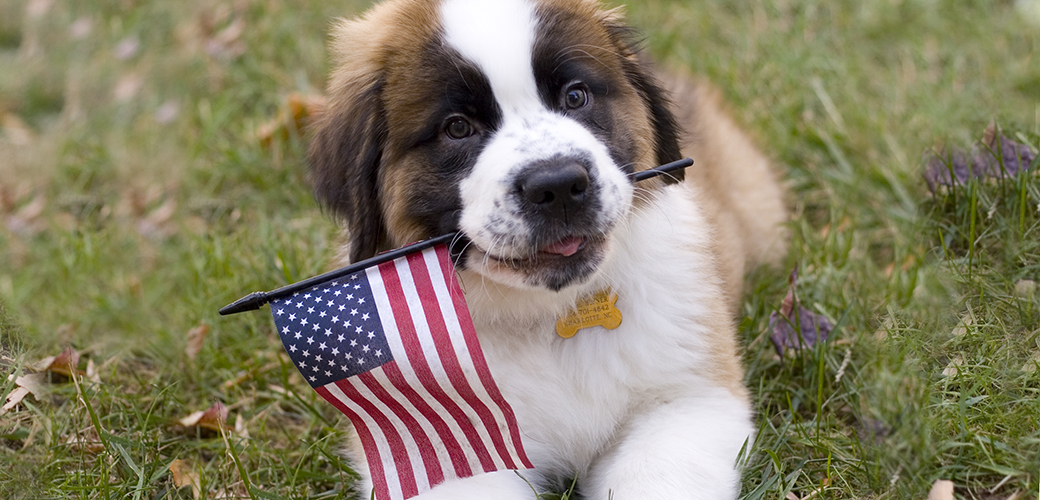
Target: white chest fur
574	398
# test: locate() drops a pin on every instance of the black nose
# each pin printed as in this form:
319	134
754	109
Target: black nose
556	187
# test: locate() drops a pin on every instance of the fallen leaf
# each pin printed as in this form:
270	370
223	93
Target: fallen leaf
24	386
196	337
1031	365
812	327
240	427
86	440
185	474
962	327
292	117
791	496
63	364
941	490
952	367
211	420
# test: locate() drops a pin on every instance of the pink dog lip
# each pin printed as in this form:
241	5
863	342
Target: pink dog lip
565	247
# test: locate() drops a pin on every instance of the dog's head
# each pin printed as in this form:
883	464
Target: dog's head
517	122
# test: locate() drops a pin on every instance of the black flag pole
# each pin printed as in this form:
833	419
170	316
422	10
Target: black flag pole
256	300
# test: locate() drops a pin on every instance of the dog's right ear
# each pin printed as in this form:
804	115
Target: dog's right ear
345	156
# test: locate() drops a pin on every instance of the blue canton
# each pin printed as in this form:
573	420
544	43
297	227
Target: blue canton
332	331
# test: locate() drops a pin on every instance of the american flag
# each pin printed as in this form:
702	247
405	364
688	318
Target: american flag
393	347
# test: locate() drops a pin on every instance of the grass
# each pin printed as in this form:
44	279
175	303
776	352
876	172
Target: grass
135	201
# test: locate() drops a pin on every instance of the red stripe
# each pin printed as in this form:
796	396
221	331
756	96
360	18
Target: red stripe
454	449
397	446
375	462
469	333
429	456
449	359
417	360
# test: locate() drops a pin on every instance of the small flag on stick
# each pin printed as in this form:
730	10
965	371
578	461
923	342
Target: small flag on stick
393	347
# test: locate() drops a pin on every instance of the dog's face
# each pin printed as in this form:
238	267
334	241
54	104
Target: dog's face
516	122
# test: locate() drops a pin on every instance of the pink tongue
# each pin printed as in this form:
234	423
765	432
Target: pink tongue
565	247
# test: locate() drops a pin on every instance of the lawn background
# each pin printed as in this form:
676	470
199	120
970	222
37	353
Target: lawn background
136	199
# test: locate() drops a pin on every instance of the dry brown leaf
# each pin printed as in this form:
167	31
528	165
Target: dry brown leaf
291	119
941	490
791	496
240	427
211	420
185	474
86	440
196	337
952	368
64	364
25	385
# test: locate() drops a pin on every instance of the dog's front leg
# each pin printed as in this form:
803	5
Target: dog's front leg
680	450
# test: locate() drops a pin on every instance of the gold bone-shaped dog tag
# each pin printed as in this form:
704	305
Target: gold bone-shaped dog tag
596	310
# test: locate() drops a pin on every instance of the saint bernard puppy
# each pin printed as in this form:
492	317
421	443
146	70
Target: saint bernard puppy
519	123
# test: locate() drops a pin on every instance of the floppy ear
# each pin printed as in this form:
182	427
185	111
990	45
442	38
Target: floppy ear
665	126
345	156
654	97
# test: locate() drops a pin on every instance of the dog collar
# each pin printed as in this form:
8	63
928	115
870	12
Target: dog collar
598	309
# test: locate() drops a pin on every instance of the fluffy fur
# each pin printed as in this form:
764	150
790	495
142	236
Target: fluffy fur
519	123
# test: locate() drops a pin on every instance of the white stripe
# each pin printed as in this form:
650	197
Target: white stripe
465	357
422	481
393	480
400	355
433	358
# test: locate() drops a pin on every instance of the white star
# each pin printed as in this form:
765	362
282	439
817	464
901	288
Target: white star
326	290
337	293
370	334
344	367
322	314
303	321
306	354
361	300
317	359
310	310
335	351
307	296
322	346
285	329
292	317
328	373
353	312
314	368
361	361
350	356
296	335
364	317
342	307
335	319
313	379
299	304
353	343
357	287
316	327
280	312
328	332
379	353
292	348
358	330
303	364
331	303
353	276
350	296
310	340
341	338
332	362
363	348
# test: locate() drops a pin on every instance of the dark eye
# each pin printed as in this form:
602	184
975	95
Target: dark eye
577	97
458	127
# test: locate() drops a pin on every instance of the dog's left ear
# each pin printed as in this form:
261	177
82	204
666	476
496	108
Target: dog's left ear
655	98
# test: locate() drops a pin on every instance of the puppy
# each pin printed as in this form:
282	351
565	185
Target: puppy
519	123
